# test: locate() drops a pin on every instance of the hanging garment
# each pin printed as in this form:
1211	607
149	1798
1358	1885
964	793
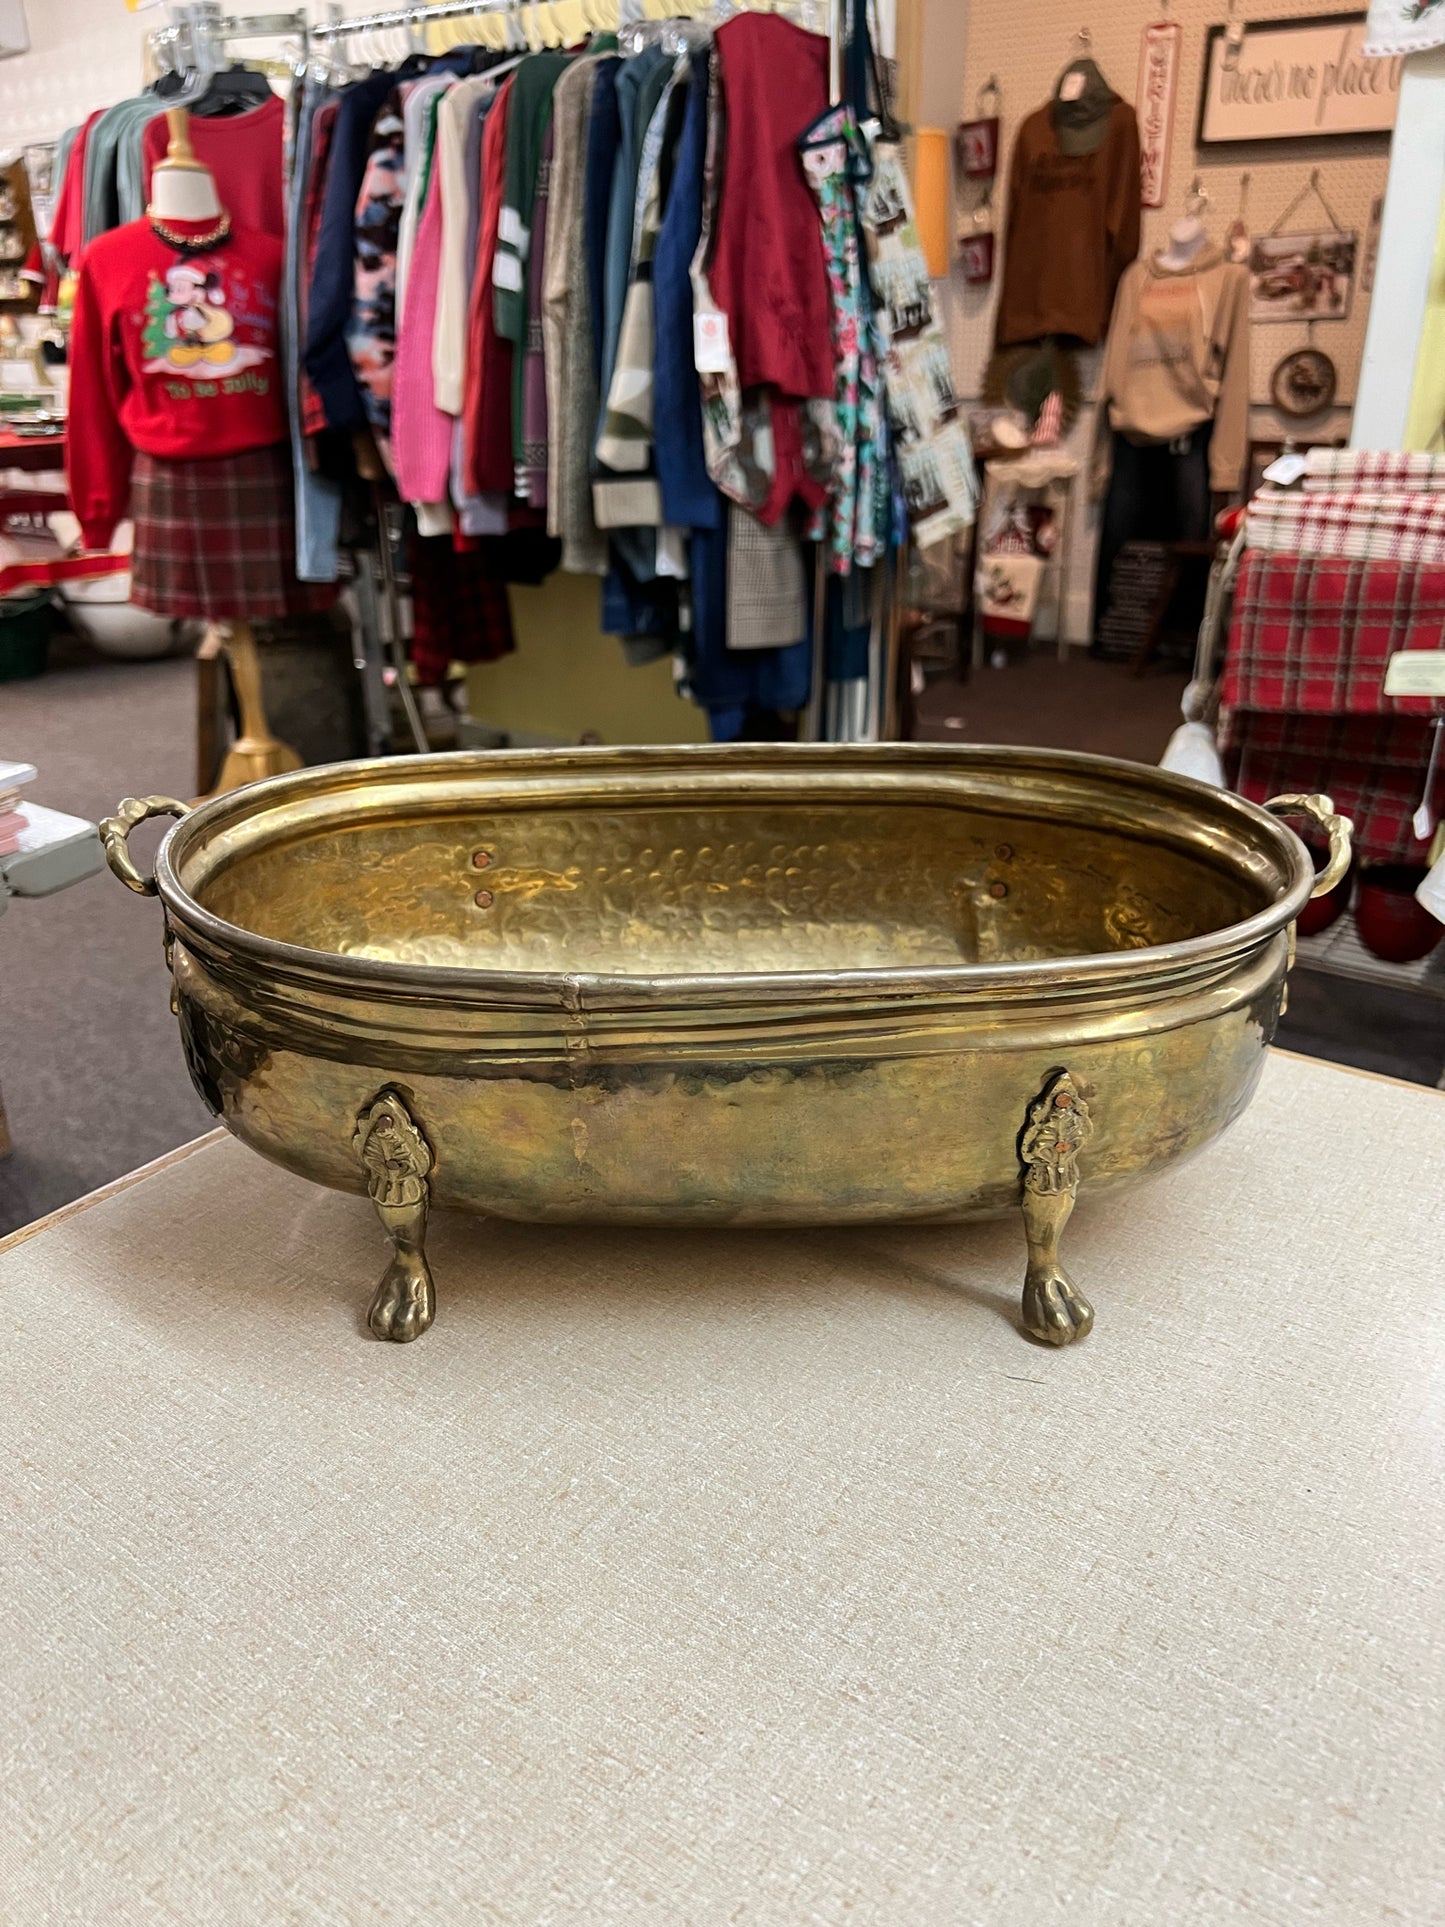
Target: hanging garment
935	461
318	498
855	532
460	609
214	538
487	390
243	152
327	359
738	688
1071	228
765	448
371	327
67	221
476	514
419	121
531	107
767	270
173	353
604	143
531	485
421	445
689	496
767	585
308	189
101	191
630	496
568	354
459	116
1178	356
1158	492
531	115
636	96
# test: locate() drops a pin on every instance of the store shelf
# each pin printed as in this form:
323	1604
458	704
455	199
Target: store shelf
1339	952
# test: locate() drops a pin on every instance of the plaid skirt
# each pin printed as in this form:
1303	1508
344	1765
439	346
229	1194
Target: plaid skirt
216	539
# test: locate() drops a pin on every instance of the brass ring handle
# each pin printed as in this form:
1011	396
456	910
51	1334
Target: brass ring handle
1339	829
115	835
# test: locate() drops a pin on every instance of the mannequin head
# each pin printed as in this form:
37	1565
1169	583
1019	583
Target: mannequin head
183	188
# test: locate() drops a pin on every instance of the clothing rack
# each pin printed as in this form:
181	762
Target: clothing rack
338	26
198	33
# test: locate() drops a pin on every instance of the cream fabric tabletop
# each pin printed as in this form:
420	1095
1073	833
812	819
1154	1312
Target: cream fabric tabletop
705	1581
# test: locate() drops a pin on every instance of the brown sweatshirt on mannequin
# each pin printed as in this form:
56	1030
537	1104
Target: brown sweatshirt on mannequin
1178	355
1073	221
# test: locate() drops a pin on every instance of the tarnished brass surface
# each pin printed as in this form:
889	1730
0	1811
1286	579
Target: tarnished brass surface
1054	1308
752	985
115	837
397	1160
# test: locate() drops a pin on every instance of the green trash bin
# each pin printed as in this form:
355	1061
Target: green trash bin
25	624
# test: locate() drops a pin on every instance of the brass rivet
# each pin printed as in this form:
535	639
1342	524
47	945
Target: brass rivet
480	859
998	889
483	899
1004	852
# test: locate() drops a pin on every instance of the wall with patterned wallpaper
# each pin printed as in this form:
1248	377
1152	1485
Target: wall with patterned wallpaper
1025	43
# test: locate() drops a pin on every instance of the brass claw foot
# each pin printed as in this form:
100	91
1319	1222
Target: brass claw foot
398	1161
1054	1309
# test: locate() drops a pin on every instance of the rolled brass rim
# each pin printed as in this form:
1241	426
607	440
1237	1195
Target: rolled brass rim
616	771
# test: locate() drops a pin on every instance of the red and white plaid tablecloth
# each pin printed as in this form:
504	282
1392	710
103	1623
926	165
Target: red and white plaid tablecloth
1373	767
1303	704
1313	635
1360	523
1388	470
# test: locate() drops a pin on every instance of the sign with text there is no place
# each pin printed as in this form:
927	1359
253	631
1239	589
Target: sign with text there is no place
1296	80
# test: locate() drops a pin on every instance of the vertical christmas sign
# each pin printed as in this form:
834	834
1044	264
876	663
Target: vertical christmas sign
1158	83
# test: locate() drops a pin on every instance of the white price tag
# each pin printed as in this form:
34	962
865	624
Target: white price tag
711	350
1071	86
1416	672
1285	469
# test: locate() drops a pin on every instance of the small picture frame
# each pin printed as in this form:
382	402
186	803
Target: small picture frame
975	147
1303	277
976	258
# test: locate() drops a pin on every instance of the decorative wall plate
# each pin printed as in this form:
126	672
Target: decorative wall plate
1304	383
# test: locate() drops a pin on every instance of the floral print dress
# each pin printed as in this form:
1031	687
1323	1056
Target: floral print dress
855	519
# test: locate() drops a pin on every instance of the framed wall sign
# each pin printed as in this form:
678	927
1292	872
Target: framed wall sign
1302	277
1296	80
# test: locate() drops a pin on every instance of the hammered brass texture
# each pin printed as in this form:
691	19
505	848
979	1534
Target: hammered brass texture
742	986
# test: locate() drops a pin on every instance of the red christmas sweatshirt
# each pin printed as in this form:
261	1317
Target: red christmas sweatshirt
174	354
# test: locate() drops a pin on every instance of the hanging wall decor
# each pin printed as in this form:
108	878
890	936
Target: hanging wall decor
975	143
1158	84
1305	276
1302	277
1303	383
1296	80
975	258
975	164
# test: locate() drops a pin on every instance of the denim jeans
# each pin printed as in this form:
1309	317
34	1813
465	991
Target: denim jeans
1157	493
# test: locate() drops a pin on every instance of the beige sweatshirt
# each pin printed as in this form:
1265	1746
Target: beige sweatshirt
1178	354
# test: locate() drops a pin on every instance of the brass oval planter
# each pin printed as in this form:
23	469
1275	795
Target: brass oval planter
729	986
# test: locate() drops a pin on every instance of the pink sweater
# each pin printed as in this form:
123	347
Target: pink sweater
421	435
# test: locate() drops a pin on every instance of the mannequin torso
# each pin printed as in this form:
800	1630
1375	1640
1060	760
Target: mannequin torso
1187	241
183	188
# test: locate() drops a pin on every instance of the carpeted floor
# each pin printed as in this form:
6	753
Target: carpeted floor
90	1064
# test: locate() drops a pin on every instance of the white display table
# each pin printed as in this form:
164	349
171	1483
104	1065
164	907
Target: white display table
770	1579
